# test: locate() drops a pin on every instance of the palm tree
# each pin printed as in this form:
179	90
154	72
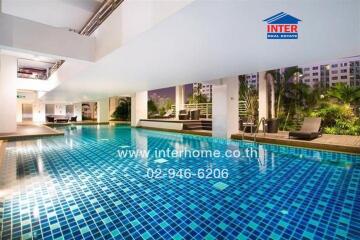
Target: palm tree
152	108
344	93
299	97
197	99
282	82
249	96
123	110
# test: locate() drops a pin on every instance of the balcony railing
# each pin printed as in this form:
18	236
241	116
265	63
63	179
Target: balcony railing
206	109
107	7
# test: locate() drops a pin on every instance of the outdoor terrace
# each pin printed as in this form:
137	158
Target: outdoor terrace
341	143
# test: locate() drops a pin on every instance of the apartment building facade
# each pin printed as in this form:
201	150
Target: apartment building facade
324	74
329	73
205	90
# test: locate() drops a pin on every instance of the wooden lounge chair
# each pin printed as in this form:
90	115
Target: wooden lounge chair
310	129
50	119
195	114
168	114
184	115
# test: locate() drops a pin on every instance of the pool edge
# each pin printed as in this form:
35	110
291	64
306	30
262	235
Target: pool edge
301	144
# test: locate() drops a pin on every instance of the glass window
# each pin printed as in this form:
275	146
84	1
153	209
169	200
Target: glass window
49	109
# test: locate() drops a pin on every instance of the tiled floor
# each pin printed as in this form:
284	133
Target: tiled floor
77	187
29	130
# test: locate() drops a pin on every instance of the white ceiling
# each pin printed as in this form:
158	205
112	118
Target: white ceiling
70	14
27	63
213	39
30	60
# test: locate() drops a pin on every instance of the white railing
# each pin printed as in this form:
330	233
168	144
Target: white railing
242	109
206	109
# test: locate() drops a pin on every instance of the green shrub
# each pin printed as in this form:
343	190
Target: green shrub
338	119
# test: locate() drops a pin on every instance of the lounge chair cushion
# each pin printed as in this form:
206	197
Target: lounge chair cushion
310	129
304	135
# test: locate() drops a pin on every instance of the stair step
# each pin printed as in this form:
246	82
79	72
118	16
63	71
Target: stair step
194	127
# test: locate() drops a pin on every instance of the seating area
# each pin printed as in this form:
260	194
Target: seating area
193	114
60	119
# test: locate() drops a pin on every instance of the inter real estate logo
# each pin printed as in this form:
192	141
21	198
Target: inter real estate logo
282	26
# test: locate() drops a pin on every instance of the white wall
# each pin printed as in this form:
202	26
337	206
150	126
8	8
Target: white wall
18	33
103	110
162	125
138	107
130	19
8	72
225	107
179	99
60	109
18	111
39	112
78	111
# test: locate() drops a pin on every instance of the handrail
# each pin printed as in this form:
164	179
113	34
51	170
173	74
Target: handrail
244	130
262	120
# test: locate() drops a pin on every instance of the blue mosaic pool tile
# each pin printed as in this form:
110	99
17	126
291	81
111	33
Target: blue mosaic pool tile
161	160
220	186
77	187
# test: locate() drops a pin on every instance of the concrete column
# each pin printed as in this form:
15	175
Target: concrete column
8	75
225	107
271	85
179	99
263	97
39	112
138	107
78	111
18	111
103	110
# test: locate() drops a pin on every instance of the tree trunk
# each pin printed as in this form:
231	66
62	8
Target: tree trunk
286	119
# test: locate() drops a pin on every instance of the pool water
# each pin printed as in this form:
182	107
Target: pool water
77	187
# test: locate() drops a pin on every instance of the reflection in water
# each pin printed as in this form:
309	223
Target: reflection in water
35	212
72	175
69	142
262	159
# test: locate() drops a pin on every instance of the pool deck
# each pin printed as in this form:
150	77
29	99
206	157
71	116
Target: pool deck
194	132
340	143
76	123
26	131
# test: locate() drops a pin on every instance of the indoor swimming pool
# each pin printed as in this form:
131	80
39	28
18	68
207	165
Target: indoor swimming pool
79	186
